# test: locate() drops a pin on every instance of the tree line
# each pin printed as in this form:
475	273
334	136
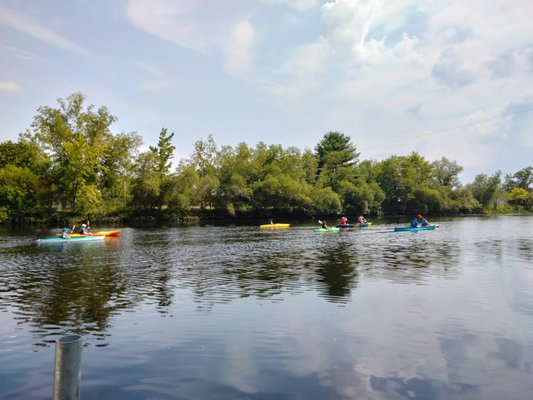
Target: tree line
69	164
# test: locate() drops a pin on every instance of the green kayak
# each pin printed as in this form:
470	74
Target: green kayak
334	229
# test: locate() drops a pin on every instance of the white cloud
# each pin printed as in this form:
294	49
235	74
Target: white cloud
464	142
463	65
175	21
37	30
511	62
346	58
199	25
297	4
9	87
299	75
18	53
238	51
158	79
346	23
450	71
495	23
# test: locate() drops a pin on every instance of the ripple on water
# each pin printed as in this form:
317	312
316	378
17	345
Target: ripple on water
235	311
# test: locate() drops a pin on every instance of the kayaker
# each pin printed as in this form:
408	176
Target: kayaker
84	230
344	221
423	221
361	220
414	223
64	233
324	224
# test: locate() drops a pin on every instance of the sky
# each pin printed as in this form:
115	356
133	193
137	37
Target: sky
445	78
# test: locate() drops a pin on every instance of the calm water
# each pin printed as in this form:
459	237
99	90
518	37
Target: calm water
238	313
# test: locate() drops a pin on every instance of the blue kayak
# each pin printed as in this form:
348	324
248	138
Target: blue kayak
71	239
419	228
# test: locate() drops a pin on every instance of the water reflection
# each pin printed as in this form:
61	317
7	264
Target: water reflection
59	289
233	312
336	270
80	287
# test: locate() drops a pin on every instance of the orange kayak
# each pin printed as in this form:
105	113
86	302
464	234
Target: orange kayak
97	233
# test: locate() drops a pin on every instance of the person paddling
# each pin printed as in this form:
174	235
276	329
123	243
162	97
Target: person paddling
414	223
324	224
424	222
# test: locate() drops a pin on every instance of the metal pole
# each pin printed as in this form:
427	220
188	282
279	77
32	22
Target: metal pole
67	371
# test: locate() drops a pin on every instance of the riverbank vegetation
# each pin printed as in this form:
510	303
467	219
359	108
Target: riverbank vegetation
69	165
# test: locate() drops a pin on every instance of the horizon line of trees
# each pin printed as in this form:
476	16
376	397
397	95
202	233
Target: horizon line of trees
69	163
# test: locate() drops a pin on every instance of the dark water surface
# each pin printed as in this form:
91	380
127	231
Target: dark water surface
239	313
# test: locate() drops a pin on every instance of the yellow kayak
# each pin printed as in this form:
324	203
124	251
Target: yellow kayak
97	233
274	226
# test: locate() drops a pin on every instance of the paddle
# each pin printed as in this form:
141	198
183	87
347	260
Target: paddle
72	230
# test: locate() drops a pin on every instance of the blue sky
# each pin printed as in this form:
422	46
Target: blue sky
447	78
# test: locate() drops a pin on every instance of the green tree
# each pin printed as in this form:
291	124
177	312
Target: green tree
147	181
118	165
153	186
19	153
520	179
205	156
463	201
336	149
447	172
325	202
18	186
234	192
521	197
485	188
401	178
164	151
76	140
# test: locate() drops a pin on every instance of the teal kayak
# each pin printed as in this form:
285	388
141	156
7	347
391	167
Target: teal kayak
348	226
335	229
420	228
71	239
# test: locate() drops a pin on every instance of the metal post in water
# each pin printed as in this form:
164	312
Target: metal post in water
67	372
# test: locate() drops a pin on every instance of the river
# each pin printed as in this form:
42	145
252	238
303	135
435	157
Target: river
234	312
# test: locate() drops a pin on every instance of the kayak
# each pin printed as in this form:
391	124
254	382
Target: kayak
274	226
347	226
420	228
71	239
97	233
334	229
